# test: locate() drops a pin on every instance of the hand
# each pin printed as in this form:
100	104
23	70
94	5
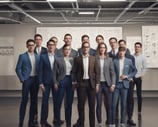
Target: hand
97	88
42	88
112	88
56	87
123	77
74	86
22	81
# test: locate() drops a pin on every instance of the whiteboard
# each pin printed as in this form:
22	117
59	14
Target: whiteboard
77	32
150	44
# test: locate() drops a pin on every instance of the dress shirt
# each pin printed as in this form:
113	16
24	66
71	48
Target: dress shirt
51	59
68	66
114	51
85	66
140	63
38	50
121	66
33	63
102	77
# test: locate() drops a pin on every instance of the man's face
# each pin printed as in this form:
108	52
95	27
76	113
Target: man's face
51	47
30	46
121	54
38	41
55	40
68	40
99	40
113	44
122	44
85	39
86	48
138	48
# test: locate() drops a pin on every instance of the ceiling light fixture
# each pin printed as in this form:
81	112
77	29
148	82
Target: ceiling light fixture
62	0
86	13
112	0
4	1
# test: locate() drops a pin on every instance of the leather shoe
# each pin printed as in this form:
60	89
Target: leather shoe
56	123
131	122
47	124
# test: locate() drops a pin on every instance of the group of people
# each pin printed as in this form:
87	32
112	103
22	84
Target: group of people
94	73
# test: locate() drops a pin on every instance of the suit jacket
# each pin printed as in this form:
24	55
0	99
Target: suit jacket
108	70
59	70
45	72
112	55
43	50
73	53
92	52
129	69
23	67
93	71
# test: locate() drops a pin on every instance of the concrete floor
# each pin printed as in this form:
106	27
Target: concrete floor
9	113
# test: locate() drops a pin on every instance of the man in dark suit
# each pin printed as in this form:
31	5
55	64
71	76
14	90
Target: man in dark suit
46	81
130	97
85	38
86	74
114	48
55	39
39	49
125	71
27	69
67	40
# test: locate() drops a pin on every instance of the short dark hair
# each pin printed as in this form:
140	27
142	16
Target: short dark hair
53	38
65	45
122	40
121	49
83	36
113	38
85	43
50	41
37	35
138	43
30	40
67	35
99	36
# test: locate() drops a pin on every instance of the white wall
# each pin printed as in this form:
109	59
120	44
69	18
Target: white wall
21	33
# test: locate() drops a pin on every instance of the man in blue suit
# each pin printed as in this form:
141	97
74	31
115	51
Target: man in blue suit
46	81
125	71
26	69
39	49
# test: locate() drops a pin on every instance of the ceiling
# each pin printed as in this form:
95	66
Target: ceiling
44	12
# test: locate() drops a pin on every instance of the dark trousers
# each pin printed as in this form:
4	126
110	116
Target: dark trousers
30	86
86	91
65	86
45	100
130	100
138	82
104	89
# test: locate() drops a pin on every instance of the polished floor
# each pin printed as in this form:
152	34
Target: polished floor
9	110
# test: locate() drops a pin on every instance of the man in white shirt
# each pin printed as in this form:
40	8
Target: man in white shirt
140	63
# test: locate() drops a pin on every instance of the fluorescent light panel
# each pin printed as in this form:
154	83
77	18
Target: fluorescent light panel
112	0
62	0
4	1
86	12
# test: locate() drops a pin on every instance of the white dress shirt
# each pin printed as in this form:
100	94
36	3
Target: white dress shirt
68	66
51	59
85	67
38	50
121	66
102	77
33	63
